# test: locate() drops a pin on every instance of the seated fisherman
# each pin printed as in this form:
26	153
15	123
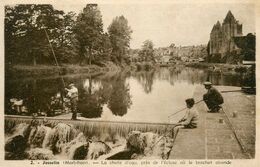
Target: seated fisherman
212	98
190	119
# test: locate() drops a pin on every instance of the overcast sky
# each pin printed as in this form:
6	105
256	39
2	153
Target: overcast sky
181	24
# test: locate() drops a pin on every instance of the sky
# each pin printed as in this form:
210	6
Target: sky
181	24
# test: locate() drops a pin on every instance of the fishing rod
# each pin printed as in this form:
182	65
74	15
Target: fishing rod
53	53
183	109
174	125
57	64
163	136
227	91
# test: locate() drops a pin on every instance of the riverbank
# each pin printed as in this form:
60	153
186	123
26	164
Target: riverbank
217	66
214	139
18	71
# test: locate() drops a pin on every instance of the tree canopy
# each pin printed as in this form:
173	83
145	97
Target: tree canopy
88	31
35	33
120	35
25	38
147	51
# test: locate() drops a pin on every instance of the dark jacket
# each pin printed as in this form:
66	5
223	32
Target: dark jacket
213	95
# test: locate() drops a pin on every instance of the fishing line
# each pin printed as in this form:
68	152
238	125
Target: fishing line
53	53
175	125
183	109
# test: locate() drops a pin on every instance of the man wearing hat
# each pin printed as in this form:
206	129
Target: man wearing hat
212	98
73	94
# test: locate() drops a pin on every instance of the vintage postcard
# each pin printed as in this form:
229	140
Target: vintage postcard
129	83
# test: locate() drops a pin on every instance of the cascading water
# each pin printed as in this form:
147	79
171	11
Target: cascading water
83	139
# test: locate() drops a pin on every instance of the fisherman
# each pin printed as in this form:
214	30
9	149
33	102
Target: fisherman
190	119
73	95
212	98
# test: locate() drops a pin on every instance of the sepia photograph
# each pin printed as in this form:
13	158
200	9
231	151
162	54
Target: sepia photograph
129	81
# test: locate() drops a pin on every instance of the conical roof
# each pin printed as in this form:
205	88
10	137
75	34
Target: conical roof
218	25
229	18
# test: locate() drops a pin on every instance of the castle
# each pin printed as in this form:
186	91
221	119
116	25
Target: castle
227	41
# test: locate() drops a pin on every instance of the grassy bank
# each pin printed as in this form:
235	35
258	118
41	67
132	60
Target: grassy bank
47	70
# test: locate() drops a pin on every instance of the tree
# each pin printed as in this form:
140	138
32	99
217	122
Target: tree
147	51
66	44
120	35
104	50
88	31
24	31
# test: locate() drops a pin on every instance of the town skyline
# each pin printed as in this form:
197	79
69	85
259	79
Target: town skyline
181	24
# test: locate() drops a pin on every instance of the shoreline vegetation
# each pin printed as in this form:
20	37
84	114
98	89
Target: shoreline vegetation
18	71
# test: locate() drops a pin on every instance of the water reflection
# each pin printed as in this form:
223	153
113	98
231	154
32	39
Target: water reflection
130	95
146	79
120	98
90	98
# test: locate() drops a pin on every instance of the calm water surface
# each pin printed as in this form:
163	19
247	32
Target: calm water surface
123	96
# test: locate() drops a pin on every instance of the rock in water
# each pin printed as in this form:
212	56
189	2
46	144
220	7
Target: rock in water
22	129
15	144
79	148
60	135
15	156
135	142
79	139
97	149
81	152
40	154
76	146
149	145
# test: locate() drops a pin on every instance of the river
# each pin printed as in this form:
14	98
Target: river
145	96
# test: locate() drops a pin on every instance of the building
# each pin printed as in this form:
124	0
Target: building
227	40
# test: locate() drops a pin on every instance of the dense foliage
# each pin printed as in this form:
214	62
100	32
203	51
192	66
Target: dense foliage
120	35
35	34
147	51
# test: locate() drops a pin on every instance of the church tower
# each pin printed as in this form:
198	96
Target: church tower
221	35
230	28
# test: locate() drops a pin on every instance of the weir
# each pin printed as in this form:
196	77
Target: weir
90	128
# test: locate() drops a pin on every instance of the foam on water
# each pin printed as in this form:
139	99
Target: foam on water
66	139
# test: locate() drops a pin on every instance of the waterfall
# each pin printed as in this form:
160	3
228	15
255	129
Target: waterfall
68	139
99	129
